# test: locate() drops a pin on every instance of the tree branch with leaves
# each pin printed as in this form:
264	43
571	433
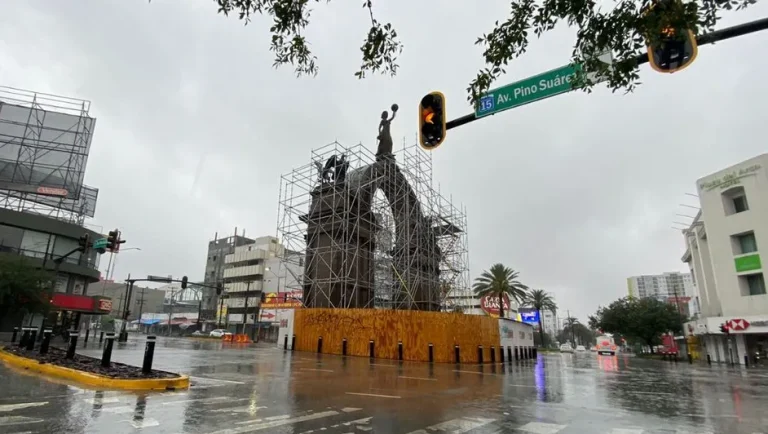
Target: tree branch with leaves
623	30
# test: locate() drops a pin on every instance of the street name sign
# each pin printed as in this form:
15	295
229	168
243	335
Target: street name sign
526	91
541	86
100	244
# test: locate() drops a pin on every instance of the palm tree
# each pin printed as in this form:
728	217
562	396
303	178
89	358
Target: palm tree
572	322
540	300
497	281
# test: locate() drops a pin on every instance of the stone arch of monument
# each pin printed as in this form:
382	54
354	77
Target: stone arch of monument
340	240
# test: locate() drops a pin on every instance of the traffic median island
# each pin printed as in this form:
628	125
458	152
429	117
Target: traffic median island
88	370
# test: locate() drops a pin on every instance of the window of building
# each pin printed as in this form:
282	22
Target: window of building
752	284
735	200
744	243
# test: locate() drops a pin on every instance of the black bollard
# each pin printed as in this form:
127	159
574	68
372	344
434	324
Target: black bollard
13	336
431	353
319	344
709	359
493	354
149	355
400	350
31	340
106	355
480	354
72	344
509	354
746	361
293	342
370	349
517	353
676	358
24	337
85	339
690	358
285	342
535	352
46	341
456	354
344	346
501	355
101	337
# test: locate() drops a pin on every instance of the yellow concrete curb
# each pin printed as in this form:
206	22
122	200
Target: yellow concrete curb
90	379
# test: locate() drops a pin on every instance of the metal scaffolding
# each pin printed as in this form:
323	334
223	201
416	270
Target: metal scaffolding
44	145
373	232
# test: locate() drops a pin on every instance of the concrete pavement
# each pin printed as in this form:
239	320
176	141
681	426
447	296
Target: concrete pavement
261	389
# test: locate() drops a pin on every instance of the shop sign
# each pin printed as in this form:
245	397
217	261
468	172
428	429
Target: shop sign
490	304
105	305
730	179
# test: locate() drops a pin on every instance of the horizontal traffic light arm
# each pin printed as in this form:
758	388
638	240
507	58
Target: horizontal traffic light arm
708	38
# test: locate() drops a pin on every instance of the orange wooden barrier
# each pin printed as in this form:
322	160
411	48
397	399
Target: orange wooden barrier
386	328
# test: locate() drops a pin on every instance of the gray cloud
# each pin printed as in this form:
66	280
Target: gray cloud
577	192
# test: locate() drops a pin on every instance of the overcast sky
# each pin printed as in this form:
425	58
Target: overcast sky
577	192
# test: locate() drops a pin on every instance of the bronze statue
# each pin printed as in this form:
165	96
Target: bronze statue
385	135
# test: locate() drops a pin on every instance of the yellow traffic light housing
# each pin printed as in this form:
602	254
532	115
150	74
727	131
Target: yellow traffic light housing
676	49
432	120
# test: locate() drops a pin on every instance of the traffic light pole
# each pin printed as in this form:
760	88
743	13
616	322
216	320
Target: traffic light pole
708	38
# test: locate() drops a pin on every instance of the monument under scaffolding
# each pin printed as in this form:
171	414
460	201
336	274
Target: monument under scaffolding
371	231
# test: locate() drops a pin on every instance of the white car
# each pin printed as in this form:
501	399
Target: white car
566	348
218	333
581	349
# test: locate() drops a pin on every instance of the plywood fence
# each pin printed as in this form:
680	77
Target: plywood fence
386	328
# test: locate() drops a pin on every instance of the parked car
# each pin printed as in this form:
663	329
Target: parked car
581	349
566	348
218	333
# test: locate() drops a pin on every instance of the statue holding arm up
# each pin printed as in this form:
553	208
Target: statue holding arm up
385	135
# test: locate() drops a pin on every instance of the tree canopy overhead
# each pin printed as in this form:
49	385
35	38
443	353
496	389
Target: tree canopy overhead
621	29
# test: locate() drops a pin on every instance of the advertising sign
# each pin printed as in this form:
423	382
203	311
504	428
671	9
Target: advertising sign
105	305
490	305
282	300
528	315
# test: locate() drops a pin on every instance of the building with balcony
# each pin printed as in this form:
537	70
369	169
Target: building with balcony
252	270
672	287
723	251
218	249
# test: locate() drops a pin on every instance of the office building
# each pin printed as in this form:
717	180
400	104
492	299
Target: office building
723	250
218	249
673	287
549	323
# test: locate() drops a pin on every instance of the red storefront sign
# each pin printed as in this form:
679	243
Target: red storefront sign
737	324
282	300
81	303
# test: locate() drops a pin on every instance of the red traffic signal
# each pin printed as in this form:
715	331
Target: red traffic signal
432	120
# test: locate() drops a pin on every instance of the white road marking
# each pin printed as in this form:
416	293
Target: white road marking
184	401
17	420
11	407
245	409
106	400
118	410
276	423
417	378
374	395
541	428
319	370
457	426
471	372
214	380
627	431
144	423
350	409
386	366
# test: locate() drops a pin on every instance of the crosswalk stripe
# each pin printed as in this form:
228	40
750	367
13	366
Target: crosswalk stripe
12	407
541	428
374	395
276	423
18	420
627	431
456	426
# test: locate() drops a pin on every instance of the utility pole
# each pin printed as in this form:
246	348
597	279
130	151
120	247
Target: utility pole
170	312
245	315
140	302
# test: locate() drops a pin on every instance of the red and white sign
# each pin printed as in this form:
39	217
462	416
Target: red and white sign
105	305
490	304
737	324
50	191
282	300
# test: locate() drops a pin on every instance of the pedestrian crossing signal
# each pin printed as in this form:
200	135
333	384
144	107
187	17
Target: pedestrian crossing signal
432	120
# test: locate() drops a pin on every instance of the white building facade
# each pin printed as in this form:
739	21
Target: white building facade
723	250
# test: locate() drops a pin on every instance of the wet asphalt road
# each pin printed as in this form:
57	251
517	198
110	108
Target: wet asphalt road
261	389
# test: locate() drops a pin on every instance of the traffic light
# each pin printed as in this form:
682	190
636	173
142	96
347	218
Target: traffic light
113	240
184	282
84	243
676	48
432	120
724	329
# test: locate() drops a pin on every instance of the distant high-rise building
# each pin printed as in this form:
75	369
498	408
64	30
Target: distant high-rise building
218	248
665	287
